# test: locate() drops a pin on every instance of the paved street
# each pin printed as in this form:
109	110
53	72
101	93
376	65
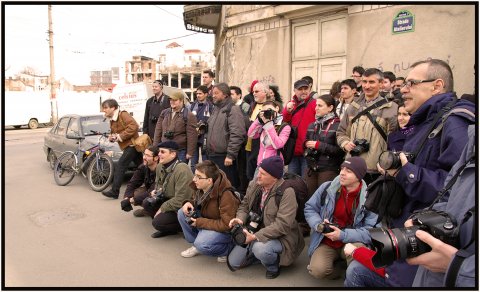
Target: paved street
72	236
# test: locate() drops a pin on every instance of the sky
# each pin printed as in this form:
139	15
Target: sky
92	37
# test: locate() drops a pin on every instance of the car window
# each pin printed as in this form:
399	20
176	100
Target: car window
62	126
73	127
96	124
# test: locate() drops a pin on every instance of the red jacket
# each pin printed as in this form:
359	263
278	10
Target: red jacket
302	117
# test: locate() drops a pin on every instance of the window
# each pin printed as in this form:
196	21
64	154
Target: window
73	127
62	126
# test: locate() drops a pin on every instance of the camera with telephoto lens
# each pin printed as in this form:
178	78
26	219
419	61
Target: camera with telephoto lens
391	159
311	156
401	243
157	200
192	213
253	226
168	135
126	205
202	127
362	146
325	227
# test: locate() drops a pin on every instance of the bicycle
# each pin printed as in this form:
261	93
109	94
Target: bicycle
97	165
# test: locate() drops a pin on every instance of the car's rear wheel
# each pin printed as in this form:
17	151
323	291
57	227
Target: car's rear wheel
64	169
51	158
100	173
33	124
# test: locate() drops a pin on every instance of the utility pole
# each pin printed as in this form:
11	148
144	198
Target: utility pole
53	98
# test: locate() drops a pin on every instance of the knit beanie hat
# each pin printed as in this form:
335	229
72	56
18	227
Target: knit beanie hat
357	165
171	145
273	165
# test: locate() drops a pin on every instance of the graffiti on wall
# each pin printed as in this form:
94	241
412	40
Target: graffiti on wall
403	66
267	79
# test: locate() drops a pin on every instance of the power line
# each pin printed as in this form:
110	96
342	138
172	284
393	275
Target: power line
168	12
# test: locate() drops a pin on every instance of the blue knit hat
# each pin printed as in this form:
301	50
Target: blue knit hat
172	145
273	165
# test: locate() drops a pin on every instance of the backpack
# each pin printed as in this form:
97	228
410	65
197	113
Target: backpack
288	149
385	197
296	182
235	193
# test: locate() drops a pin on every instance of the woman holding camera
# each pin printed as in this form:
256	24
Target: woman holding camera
322	153
266	127
204	220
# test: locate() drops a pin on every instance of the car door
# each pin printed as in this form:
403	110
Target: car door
73	130
58	136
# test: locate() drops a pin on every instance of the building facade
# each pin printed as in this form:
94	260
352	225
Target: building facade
282	43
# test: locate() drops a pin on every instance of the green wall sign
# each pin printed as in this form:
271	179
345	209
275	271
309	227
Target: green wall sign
403	22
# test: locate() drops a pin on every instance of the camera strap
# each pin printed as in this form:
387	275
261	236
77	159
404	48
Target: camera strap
370	117
460	255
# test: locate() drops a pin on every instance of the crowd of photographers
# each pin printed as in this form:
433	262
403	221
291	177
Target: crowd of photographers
390	193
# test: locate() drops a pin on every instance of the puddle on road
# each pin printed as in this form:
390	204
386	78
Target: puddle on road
55	216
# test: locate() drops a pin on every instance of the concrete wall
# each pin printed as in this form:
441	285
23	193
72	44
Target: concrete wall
444	32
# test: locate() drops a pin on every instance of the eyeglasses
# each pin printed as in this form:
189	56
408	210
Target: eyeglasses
145	154
355	76
410	83
198	177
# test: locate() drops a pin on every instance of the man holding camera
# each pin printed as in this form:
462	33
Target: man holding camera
205	219
364	128
154	107
141	183
202	109
336	214
439	131
178	124
265	229
171	190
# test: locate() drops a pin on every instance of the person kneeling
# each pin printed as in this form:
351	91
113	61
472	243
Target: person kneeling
204	220
335	212
270	234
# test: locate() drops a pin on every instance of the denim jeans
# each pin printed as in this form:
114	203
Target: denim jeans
267	253
207	242
298	165
195	158
182	155
360	276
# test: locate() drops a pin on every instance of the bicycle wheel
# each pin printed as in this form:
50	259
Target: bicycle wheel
100	173
64	169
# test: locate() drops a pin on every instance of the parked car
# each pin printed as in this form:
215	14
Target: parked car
56	141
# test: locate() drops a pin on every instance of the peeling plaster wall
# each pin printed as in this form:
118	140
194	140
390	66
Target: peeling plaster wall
444	32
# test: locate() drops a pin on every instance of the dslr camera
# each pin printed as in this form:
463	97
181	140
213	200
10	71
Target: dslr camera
269	114
192	213
168	135
202	127
126	205
157	200
361	146
391	159
311	156
325	227
253	226
401	243
154	119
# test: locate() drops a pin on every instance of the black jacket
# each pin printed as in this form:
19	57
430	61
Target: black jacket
152	112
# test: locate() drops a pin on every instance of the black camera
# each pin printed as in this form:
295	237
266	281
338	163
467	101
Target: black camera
126	205
401	243
154	119
391	159
157	200
269	114
325	227
253	226
168	135
202	127
311	156
192	213
362	146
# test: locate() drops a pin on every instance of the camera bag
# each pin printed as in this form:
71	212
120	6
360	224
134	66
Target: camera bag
142	142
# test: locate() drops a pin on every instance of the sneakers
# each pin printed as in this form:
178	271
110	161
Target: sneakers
222	259
191	252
